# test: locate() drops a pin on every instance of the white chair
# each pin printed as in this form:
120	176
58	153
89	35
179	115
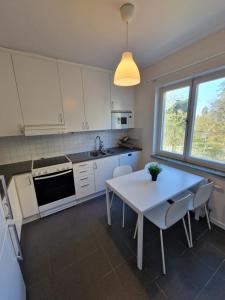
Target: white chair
117	172
166	215
199	199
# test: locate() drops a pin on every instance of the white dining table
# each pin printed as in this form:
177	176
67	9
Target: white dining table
142	194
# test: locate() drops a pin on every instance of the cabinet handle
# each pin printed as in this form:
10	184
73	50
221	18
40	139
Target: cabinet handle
87	125
130	154
60	118
83	165
29	180
85	185
83	125
81	179
85	171
8	213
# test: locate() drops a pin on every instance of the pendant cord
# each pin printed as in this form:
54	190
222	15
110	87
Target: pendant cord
127	35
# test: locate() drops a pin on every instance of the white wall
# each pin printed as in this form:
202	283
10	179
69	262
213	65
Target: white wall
200	57
21	148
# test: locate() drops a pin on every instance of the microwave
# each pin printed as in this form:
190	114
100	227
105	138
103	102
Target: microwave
122	120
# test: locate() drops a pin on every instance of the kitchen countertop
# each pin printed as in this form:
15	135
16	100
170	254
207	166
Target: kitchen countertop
9	170
84	156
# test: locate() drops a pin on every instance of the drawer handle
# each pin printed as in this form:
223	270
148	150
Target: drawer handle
85	185
83	178
83	165
83	171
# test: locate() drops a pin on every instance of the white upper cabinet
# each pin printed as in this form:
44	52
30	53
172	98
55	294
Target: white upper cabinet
10	113
39	91
72	95
96	85
122	98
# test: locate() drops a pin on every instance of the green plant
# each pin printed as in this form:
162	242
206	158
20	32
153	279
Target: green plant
154	169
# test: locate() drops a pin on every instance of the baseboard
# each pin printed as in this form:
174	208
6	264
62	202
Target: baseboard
217	223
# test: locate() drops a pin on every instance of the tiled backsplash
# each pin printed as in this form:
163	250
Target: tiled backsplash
20	148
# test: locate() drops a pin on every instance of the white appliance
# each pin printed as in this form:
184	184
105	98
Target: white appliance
122	120
12	286
54	184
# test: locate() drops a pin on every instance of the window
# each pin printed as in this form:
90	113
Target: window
192	121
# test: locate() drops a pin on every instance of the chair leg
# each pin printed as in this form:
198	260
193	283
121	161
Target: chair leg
111	200
189	225
162	250
186	233
123	223
135	231
207	217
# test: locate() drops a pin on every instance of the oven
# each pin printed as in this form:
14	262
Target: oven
122	120
54	190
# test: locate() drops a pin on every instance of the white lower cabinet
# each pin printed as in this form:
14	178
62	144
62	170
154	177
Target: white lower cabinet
15	206
84	179
27	196
103	170
131	158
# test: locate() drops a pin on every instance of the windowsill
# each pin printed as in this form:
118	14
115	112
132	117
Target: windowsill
190	165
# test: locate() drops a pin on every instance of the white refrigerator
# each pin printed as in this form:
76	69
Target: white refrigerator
12	286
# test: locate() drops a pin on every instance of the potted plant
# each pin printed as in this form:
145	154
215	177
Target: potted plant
154	169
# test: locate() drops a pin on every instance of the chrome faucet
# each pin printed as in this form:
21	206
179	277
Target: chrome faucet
100	144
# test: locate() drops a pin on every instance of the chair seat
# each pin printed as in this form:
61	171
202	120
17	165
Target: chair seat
157	215
183	194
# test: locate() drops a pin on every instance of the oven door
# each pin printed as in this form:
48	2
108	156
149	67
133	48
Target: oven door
54	187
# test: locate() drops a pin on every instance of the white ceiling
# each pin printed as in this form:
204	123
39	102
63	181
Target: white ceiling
91	31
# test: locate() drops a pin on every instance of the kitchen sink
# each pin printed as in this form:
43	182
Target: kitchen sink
96	153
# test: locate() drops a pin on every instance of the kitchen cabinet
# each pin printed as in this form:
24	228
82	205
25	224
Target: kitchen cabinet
27	196
131	158
72	96
84	179
15	206
96	84
103	170
11	121
122	98
39	90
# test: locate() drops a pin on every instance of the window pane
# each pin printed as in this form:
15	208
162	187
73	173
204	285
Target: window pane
175	105
208	141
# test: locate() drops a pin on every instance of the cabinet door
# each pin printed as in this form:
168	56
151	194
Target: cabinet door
122	98
27	196
72	94
39	90
97	99
10	113
15	206
131	158
103	170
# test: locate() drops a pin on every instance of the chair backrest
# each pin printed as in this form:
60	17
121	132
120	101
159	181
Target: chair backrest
177	210
202	195
122	170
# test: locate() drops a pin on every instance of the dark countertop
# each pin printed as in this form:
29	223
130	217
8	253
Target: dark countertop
9	170
84	156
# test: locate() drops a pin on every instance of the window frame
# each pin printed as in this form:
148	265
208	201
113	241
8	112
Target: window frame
192	102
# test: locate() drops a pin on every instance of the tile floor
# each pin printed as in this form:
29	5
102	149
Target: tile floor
75	255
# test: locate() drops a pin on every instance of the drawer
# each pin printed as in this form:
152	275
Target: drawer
84	186
83	168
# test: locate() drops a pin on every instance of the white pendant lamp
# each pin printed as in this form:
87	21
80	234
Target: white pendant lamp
127	73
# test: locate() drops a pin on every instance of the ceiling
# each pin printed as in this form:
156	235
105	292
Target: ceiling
91	31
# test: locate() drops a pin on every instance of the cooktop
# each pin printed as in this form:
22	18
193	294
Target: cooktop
51	161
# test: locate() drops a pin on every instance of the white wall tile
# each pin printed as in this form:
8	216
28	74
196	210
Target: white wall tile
21	148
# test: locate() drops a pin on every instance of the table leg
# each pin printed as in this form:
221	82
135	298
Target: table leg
140	241
108	206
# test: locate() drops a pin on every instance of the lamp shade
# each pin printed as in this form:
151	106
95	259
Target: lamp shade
127	73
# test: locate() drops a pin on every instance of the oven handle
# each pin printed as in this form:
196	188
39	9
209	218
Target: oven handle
51	176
